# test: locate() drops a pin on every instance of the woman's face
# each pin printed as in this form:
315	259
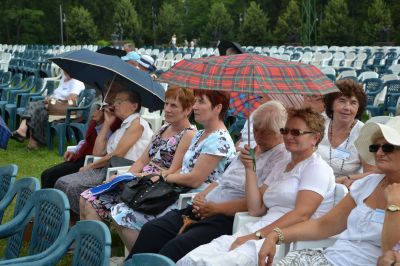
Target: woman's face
174	111
203	110
301	143
386	161
345	109
122	106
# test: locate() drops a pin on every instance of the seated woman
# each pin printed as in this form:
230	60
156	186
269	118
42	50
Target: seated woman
358	218
163	155
74	159
129	142
342	127
299	187
210	151
390	232
218	203
35	116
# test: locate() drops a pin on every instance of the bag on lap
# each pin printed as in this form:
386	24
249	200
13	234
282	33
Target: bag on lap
150	197
59	107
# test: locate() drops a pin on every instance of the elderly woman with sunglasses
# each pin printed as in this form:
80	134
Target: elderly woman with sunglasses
299	187
359	217
342	127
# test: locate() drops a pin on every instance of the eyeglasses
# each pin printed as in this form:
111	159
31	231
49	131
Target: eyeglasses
386	148
119	101
294	131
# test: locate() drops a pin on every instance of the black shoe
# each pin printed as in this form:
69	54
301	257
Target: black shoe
15	135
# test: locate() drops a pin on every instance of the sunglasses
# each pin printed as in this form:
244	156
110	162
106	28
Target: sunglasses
294	131
386	148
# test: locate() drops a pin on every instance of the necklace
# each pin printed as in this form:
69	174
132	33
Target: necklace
330	146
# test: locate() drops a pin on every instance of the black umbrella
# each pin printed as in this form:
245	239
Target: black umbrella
224	45
97	70
108	50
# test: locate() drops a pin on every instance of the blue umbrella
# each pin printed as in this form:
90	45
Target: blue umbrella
5	134
97	69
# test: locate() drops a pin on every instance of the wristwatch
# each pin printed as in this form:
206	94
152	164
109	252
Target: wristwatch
258	235
393	208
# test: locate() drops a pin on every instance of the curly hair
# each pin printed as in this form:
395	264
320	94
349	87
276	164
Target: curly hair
314	120
348	88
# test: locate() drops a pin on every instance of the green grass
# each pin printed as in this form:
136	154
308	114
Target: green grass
33	163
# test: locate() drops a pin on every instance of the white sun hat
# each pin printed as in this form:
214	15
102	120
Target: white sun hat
370	131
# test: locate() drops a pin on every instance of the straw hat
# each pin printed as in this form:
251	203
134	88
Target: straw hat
370	131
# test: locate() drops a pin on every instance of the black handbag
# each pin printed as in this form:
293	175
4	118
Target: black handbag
146	196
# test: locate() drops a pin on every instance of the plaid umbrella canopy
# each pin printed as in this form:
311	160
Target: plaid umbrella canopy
249	73
242	105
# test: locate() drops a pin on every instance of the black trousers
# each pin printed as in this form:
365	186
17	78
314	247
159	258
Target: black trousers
161	235
51	175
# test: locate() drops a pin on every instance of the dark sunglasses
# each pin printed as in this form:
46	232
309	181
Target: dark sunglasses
386	148
294	131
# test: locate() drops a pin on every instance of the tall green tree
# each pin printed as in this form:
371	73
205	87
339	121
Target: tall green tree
288	27
169	21
219	25
254	29
80	26
378	19
126	21
334	27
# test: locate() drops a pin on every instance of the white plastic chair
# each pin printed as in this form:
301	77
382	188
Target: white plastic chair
367	75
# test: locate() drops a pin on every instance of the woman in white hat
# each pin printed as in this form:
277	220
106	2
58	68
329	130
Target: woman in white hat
359	217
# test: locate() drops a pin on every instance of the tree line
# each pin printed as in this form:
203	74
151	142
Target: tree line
153	22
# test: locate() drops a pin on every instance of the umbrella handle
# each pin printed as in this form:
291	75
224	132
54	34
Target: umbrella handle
253	158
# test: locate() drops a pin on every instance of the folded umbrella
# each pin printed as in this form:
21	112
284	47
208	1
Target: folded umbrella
97	70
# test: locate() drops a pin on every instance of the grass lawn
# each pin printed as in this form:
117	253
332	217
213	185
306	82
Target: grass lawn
32	163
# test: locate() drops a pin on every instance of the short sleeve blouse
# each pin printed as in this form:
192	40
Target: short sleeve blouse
218	143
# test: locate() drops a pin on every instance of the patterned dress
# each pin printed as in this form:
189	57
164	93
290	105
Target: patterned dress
161	152
219	143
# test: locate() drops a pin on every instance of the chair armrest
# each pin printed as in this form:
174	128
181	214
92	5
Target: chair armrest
184	198
324	243
116	171
36	98
242	218
91	159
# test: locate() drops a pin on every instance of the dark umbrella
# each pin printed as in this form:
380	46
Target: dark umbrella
97	70
224	45
108	50
5	134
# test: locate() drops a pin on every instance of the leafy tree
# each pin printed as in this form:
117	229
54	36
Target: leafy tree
219	26
23	24
126	21
169	22
378	19
254	29
334	27
288	27
80	27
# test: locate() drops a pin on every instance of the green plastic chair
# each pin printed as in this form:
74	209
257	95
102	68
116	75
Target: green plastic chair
7	175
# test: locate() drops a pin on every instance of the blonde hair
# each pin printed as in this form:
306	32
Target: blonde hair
272	119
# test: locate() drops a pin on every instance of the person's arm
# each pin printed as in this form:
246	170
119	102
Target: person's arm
143	160
390	232
100	144
333	223
349	179
254	194
204	166
228	208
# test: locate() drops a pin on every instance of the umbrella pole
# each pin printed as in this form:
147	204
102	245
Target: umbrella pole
108	89
253	158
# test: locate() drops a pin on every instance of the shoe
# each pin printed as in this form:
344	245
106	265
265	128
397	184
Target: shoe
15	135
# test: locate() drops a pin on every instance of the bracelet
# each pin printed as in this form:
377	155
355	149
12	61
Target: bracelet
281	237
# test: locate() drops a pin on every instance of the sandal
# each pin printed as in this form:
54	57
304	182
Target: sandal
18	137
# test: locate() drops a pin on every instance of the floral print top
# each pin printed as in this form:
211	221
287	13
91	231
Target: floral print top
218	143
162	151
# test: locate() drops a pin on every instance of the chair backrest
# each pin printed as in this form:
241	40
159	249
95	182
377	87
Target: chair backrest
7	175
85	99
92	241
49	209
340	192
149	259
21	191
392	93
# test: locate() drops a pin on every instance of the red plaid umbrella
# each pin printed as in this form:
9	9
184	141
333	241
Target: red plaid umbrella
242	104
249	73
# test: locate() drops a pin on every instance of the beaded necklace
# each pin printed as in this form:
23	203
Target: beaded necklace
330	146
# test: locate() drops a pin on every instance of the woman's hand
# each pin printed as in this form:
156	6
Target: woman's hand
345	180
246	158
390	258
392	194
109	116
268	250
241	240
205	209
86	167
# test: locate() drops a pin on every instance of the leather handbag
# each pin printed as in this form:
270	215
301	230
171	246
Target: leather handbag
146	196
59	107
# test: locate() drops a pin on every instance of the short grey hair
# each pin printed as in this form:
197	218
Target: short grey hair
273	119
